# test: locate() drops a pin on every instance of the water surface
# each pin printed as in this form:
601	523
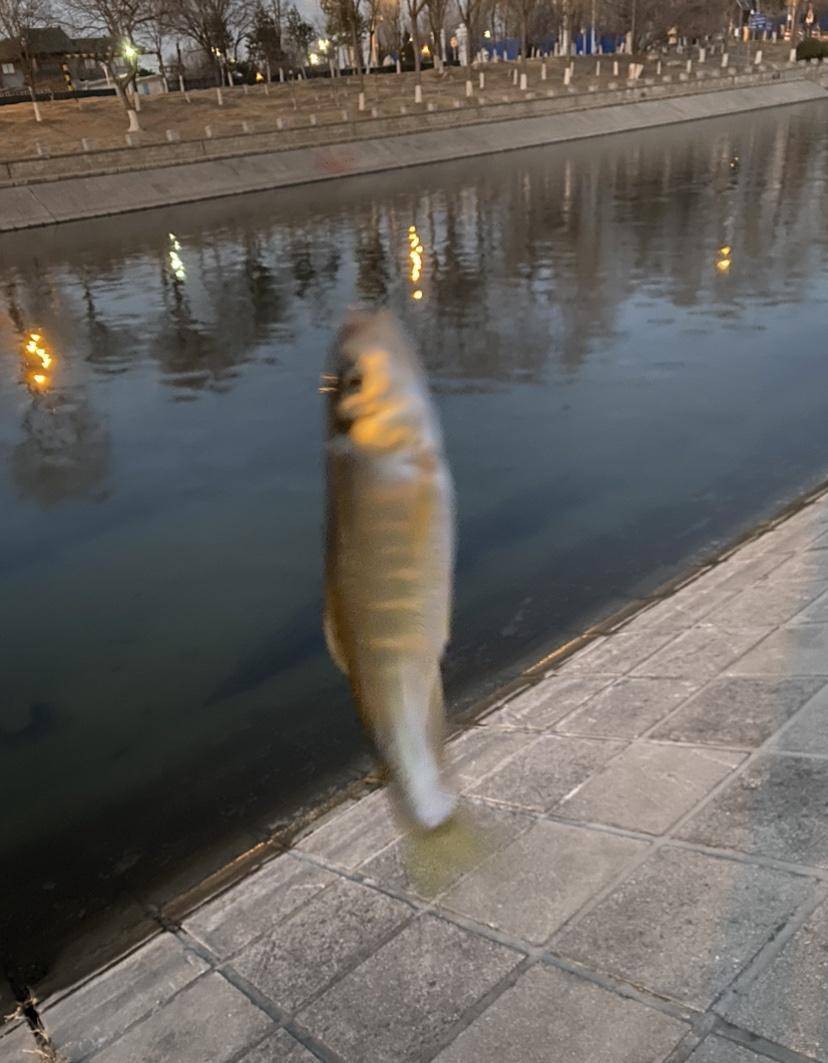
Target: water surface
626	339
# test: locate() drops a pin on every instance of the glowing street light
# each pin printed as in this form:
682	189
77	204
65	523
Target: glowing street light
129	52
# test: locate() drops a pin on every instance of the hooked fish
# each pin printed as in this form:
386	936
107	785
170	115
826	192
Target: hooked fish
390	554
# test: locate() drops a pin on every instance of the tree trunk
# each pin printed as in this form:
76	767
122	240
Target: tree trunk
357	57
415	44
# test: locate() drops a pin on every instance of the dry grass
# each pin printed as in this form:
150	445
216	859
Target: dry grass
101	120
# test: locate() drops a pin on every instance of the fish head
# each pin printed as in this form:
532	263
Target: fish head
377	391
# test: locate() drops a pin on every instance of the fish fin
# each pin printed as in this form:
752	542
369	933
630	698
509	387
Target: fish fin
332	640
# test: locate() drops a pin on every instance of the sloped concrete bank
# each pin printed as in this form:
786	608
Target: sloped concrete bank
36	192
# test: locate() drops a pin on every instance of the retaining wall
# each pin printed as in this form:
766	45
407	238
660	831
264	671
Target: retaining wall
43	191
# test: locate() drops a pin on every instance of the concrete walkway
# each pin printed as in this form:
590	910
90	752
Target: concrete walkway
648	881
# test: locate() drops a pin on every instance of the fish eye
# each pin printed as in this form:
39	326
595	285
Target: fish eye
352	382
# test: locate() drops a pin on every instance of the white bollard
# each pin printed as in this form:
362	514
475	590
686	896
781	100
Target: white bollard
658	69
429	107
757	59
567	75
481	82
173	135
598	68
208	131
470	88
543	71
689	66
523	84
792	56
344	114
702	55
615	70
399	67
725	60
361	101
280	124
418	93
515	76
219	97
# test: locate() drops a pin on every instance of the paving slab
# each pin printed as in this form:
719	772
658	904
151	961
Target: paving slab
811	564
701	653
426	867
766	603
776	807
210	1020
809	731
718	1050
279	1047
545	771
104	1007
649	786
257	904
797	649
617	654
325	937
627	707
788	1002
17	1044
682	610
353	836
736	711
480	751
550	1014
550	700
398	1005
684	924
531	887
739	571
816	612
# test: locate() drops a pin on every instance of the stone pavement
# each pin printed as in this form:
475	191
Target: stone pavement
648	884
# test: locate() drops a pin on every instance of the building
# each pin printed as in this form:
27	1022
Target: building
57	59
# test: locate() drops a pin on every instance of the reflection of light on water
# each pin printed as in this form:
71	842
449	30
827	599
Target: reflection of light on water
724	261
415	257
176	265
37	359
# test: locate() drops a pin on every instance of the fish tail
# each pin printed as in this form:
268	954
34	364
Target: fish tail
409	731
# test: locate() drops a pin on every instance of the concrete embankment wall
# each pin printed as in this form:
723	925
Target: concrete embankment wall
44	191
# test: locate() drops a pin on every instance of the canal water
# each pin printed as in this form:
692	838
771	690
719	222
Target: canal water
627	343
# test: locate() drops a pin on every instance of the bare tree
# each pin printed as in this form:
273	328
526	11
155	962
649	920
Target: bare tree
470	16
524	10
155	33
17	20
415	8
437	11
344	21
216	26
119	24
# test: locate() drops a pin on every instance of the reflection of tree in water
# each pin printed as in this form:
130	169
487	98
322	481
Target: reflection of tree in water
65	450
373	270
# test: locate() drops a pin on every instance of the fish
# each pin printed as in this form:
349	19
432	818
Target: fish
390	547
